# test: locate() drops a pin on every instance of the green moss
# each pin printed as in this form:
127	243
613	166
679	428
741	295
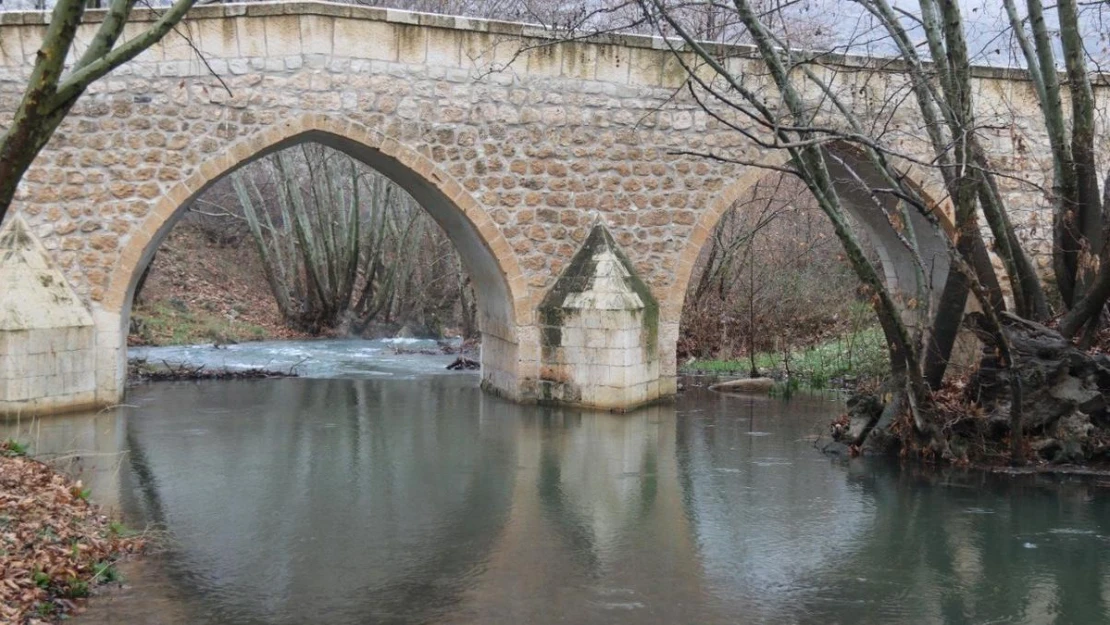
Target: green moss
576	278
552	320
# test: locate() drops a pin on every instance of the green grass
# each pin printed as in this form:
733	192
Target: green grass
12	447
163	324
858	355
105	572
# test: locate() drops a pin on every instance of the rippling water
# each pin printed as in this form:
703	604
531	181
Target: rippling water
415	498
398	357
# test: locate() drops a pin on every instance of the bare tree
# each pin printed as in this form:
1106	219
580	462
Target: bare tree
769	278
341	246
53	88
812	115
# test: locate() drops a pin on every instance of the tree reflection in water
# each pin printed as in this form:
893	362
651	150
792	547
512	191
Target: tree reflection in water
425	501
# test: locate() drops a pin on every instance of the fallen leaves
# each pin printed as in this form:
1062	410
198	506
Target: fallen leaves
54	544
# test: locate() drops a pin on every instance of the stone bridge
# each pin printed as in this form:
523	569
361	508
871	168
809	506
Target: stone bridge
565	172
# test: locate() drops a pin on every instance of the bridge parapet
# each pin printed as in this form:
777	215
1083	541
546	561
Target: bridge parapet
516	143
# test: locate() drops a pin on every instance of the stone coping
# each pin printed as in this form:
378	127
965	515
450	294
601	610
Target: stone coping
480	25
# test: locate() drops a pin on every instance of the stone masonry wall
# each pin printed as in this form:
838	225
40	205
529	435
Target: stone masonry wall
527	142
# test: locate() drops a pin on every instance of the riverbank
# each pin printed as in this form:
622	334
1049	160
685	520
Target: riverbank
1047	404
844	361
56	546
203	291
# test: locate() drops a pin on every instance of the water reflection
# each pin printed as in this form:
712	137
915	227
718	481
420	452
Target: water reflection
597	532
767	508
426	501
973	548
88	446
351	499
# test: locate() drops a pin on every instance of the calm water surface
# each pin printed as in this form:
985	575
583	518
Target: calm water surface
408	496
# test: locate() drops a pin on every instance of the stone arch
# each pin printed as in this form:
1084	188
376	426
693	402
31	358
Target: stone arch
501	288
895	258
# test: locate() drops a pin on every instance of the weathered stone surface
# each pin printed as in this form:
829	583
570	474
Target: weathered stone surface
515	149
46	334
600	327
36	294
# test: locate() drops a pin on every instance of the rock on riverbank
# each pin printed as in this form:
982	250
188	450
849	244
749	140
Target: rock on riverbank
1065	407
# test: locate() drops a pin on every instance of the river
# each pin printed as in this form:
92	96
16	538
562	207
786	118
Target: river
383	489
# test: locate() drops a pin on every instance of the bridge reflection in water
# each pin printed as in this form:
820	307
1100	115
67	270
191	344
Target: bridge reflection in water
423	500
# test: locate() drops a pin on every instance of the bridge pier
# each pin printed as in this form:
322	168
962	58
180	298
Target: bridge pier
600	333
48	339
598	341
597	344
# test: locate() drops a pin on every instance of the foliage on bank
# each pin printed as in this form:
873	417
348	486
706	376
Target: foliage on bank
848	359
1064	408
200	290
55	545
165	324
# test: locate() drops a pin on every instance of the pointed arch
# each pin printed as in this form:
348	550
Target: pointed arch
501	287
893	255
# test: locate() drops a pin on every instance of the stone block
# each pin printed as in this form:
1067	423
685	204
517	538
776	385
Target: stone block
613	64
579	61
317	34
486	52
616	376
30	39
283	35
177	45
12	390
250	34
217	39
45	340
573	337
411	44
528	351
598	338
56	386
544	61
444	48
64	362
34	386
79	382
46	364
646	66
11	53
362	39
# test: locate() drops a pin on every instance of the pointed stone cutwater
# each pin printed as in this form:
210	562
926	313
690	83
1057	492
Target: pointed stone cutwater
47	358
599	329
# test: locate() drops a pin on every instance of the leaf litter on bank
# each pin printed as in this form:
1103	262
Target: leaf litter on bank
54	544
